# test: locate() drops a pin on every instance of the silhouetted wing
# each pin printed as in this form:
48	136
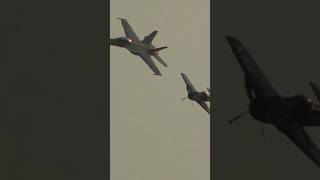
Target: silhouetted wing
255	79
128	30
299	137
313	121
314	118
147	59
188	83
204	106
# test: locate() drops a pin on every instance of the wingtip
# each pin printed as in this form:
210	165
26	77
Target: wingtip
231	38
312	83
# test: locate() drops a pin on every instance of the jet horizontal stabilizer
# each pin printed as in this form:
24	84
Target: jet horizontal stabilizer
157	57
156	50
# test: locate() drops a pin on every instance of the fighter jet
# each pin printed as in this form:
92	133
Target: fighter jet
289	114
194	95
143	48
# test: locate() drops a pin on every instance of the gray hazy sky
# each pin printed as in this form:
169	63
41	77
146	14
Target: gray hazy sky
155	135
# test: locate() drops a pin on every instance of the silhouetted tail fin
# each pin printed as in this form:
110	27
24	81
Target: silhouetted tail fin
148	39
316	90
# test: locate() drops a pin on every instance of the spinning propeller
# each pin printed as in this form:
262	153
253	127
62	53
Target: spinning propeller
184	98
237	117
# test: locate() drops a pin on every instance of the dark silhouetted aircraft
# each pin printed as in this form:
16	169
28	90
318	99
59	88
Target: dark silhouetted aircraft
194	95
289	114
143	48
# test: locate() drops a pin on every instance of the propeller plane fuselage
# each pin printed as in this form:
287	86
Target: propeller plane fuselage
289	114
200	97
281	109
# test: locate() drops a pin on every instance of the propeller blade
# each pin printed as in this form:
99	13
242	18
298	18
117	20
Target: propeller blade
316	90
183	98
263	132
237	117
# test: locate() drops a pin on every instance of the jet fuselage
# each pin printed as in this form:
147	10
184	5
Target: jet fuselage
277	110
133	47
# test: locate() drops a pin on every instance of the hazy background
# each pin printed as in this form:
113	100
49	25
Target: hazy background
155	135
283	37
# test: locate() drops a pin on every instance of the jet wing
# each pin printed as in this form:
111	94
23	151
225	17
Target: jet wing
188	83
204	106
299	137
255	78
147	59
128	30
157	57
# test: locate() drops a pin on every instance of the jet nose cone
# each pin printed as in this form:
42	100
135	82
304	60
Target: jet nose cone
113	42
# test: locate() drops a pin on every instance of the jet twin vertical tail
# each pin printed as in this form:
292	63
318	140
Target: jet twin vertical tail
148	39
154	52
